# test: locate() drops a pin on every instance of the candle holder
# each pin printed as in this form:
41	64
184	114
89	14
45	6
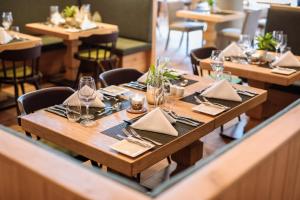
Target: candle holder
137	104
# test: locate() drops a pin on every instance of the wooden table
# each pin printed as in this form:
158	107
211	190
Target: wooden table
212	20
30	41
90	142
70	40
262	77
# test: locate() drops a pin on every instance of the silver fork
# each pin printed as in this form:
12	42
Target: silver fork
218	104
209	103
136	135
183	120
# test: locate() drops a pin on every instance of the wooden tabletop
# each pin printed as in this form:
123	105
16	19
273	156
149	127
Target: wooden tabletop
255	72
208	17
61	32
30	41
90	142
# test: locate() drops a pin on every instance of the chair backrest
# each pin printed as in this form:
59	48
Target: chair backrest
20	63
251	22
287	19
103	44
119	76
197	55
174	6
43	98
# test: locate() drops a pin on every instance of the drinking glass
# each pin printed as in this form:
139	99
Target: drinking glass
283	43
53	9
87	94
7	20
217	63
277	36
73	111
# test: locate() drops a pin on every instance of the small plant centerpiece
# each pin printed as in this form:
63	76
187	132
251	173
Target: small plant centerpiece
69	13
158	77
211	4
265	43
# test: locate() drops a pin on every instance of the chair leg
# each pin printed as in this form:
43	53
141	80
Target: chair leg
168	38
239	118
22	88
187	43
169	160
222	128
16	97
201	72
181	39
37	84
138	177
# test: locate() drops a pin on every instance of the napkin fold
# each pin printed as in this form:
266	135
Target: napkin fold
87	24
232	50
74	100
156	121
222	90
4	36
57	19
288	59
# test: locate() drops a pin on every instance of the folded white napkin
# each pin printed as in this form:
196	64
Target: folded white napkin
57	19
222	90
143	78
4	36
232	50
156	121
74	100
288	59
87	24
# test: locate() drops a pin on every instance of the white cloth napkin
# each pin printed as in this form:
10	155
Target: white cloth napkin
57	19
74	100
222	90
4	36
156	121
232	50
87	24
288	59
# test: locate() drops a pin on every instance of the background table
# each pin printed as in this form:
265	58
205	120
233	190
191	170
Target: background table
71	40
262	77
212	20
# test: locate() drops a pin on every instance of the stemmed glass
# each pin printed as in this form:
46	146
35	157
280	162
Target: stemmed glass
87	94
7	20
283	43
277	36
217	63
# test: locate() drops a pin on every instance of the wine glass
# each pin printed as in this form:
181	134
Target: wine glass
283	43
217	63
277	36
53	10
87	94
7	20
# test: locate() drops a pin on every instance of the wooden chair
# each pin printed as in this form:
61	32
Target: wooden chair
176	24
197	55
43	98
97	55
19	67
119	76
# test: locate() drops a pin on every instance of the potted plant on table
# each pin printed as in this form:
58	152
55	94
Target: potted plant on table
265	43
69	13
157	77
212	5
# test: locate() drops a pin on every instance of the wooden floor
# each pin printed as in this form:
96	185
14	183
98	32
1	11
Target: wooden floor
159	172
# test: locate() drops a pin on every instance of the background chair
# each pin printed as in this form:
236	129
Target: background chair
19	67
176	24
97	55
119	76
197	55
43	98
250	26
287	19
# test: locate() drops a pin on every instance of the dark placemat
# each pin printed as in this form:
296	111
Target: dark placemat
162	138
231	104
177	82
92	110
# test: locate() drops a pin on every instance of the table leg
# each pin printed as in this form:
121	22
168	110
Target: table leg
210	35
187	156
71	64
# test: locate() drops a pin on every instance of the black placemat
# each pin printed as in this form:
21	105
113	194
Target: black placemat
162	138
94	111
231	104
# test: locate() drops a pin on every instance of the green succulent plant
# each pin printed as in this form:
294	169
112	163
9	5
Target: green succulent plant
160	74
266	42
210	2
70	11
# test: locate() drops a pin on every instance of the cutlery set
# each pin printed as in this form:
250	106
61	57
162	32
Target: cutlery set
136	85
